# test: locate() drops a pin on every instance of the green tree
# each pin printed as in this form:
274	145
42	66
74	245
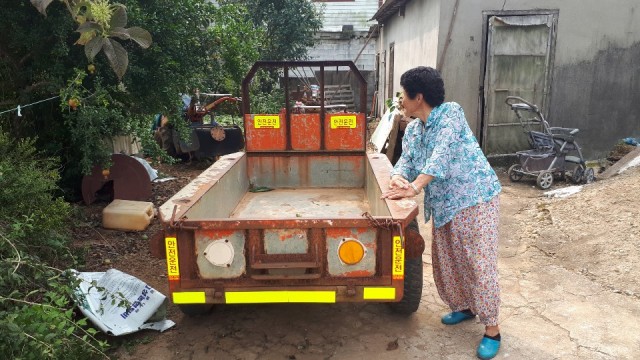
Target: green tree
100	23
196	45
290	26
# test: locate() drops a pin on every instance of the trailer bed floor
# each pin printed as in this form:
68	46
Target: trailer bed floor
300	203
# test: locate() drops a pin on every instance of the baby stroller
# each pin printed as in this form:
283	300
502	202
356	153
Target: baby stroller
554	152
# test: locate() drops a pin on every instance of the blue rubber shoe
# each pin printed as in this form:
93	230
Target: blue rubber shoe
456	317
488	348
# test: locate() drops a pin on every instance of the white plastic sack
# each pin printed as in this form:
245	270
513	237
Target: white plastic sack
103	295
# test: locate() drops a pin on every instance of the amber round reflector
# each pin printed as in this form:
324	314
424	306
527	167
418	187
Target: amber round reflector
351	251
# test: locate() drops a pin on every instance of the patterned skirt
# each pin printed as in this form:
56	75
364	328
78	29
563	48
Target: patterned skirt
465	261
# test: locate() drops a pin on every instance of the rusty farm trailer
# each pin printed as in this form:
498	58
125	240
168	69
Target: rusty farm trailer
297	217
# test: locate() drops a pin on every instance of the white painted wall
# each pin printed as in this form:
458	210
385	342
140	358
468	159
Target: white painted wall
416	41
331	47
356	13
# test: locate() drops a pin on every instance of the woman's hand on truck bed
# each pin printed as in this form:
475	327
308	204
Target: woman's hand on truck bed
398	193
398	181
398	188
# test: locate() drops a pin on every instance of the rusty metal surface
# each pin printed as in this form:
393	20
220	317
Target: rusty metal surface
207	270
345	138
285	241
265	139
403	210
302	203
194	192
130	180
305	132
293	249
366	267
157	245
305	171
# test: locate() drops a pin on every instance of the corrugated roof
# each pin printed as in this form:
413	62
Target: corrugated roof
388	9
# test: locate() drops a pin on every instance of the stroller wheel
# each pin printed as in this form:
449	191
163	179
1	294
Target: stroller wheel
515	173
589	176
544	180
578	174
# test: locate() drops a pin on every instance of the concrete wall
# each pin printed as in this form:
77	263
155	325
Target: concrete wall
339	13
335	46
595	84
415	38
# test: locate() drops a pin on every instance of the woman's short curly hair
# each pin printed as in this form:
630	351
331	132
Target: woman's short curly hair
426	81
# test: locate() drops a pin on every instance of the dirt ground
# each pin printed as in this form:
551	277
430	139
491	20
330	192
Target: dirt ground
569	276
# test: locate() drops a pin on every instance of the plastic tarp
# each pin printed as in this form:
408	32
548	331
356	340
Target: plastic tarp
118	303
153	173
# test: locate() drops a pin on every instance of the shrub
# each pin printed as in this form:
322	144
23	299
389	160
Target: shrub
36	308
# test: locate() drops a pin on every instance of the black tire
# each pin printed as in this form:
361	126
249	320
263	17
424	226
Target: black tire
578	174
193	310
515	173
412	288
589	176
544	180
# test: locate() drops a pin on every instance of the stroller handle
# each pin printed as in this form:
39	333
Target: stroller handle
511	100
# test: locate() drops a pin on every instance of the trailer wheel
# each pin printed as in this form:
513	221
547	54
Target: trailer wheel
193	310
412	288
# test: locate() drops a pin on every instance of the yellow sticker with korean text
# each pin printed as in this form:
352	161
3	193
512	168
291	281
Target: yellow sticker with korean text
266	121
398	259
173	268
343	122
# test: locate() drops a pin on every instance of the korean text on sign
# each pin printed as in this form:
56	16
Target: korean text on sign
398	259
173	268
266	121
343	122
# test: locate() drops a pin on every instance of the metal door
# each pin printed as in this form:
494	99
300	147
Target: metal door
518	62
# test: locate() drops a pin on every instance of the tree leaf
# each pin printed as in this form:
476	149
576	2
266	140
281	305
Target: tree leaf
117	55
120	33
141	36
88	26
93	47
41	5
119	17
85	38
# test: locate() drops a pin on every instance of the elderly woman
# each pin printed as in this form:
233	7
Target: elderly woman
441	155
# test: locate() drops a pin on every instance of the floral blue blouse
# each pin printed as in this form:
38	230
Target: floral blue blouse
446	149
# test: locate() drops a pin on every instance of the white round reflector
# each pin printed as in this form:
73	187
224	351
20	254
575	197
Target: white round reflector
219	253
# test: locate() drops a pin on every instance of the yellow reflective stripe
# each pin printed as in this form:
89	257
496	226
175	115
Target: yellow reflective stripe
379	293
192	297
312	296
257	297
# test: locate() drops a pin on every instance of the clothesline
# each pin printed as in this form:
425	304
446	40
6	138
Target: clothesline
20	107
